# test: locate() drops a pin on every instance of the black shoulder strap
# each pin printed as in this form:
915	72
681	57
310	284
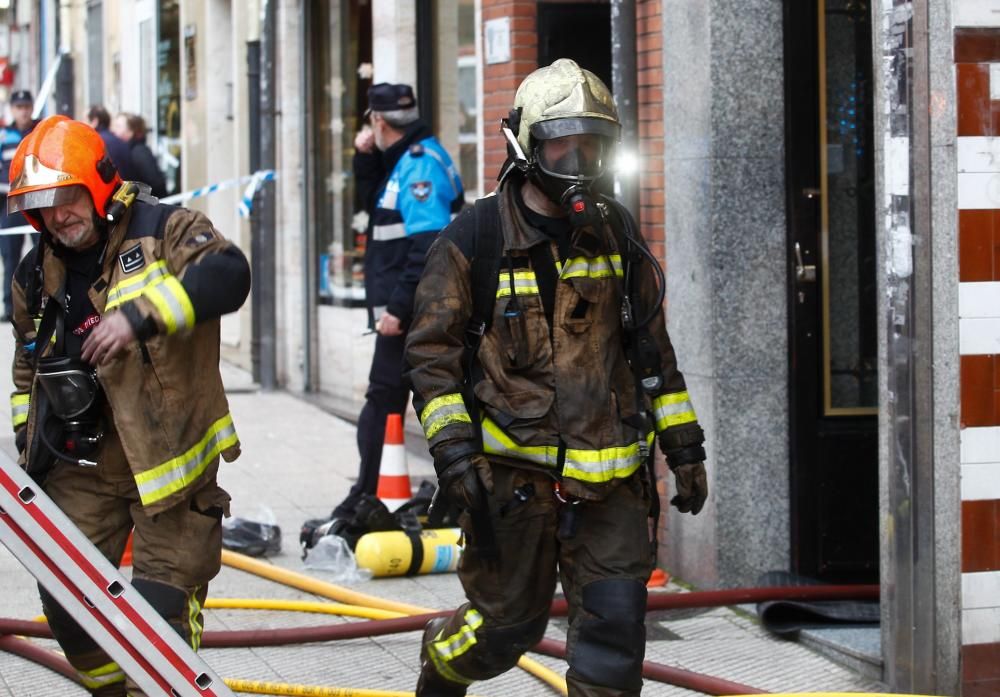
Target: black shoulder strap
149	218
486	255
51	325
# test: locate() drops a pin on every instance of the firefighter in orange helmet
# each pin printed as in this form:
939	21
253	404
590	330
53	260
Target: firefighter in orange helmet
118	404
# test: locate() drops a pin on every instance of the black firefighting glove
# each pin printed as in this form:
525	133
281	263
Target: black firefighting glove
686	458
464	473
691	483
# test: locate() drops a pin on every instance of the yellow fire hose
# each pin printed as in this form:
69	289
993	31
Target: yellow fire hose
368	613
344	595
315	585
258	687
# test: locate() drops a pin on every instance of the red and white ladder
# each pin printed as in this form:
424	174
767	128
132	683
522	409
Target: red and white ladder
95	593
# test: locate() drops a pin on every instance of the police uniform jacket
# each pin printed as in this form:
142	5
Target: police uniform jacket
10	138
562	399
173	275
418	198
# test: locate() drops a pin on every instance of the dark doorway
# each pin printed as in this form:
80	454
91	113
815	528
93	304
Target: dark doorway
577	30
832	320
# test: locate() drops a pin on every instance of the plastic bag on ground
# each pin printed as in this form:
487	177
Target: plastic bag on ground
332	553
257	535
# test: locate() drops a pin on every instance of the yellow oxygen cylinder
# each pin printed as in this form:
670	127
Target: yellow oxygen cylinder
398	553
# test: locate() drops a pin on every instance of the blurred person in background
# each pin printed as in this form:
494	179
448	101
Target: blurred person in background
118	150
21	105
132	129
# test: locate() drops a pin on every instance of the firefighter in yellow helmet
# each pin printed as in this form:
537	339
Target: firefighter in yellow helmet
543	373
118	405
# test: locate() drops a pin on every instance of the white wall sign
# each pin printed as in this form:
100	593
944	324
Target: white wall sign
498	40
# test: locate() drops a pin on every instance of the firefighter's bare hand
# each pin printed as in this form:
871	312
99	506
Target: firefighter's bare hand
691	483
112	334
466	480
389	325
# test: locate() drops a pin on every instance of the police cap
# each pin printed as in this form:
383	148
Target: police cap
21	97
388	97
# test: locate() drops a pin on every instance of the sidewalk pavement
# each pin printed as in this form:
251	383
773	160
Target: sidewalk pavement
298	461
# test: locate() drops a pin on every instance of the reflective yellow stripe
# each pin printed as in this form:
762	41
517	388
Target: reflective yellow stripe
596	466
525	283
132	287
163	290
194	611
107	674
673	410
443	651
172	302
592	267
443	411
19	404
175	474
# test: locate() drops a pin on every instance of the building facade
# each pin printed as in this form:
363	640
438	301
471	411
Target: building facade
819	179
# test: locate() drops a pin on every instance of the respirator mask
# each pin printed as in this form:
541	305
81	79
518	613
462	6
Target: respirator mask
73	428
566	169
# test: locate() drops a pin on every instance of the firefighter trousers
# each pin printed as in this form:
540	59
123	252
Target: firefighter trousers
175	554
603	555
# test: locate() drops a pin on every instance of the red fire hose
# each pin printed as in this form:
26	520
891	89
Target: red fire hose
352	630
43	657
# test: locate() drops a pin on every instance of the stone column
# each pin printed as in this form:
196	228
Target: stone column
394	41
724	181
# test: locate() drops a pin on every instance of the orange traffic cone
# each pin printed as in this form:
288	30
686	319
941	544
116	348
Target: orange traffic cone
393	477
658	579
127	555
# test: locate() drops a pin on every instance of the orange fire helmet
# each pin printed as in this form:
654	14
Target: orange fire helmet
56	156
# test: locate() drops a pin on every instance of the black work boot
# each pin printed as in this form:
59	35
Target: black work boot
430	684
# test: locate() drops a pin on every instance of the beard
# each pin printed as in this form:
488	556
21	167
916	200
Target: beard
78	234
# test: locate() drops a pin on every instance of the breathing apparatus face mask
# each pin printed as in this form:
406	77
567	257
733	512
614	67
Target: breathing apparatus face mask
72	390
567	168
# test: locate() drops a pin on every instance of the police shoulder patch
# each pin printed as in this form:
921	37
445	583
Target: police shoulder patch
421	190
416	149
132	259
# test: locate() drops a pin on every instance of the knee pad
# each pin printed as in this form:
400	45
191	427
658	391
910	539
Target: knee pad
610	635
181	610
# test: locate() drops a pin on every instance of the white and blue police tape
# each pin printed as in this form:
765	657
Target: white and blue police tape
257	180
253	183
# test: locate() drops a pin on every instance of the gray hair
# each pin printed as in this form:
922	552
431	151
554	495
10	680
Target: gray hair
400	118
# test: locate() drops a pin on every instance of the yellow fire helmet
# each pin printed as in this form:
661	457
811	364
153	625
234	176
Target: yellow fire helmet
564	99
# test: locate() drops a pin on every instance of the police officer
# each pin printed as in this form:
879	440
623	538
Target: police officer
21	105
544	443
418	194
119	409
